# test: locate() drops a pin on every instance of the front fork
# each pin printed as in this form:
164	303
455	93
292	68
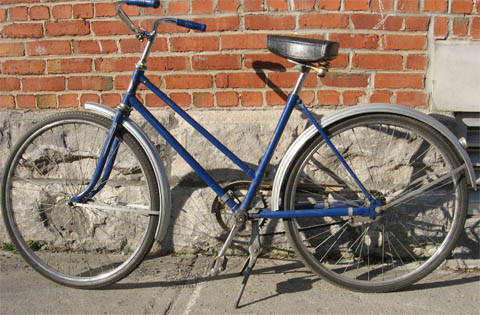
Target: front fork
105	162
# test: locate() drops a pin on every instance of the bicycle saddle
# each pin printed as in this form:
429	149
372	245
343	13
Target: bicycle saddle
302	50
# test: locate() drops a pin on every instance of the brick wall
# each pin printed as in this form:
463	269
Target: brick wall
57	54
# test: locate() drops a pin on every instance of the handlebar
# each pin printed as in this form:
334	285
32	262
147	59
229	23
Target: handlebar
144	3
192	25
152	4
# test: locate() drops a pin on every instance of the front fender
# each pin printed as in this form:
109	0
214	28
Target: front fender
160	174
364	110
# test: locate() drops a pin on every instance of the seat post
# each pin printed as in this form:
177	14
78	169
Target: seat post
301	79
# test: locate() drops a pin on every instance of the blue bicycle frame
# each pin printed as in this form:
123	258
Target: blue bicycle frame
130	101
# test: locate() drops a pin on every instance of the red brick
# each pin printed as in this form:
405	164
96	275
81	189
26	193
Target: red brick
441	27
62	11
94	83
195	43
95	46
276	98
216	62
265	22
288	79
357	41
203	99
43	84
105	10
23	30
411	98
184	81
89	97
63	28
39	13
239	80
151	100
3	15
266	61
460	27
26	101
178	7
68	101
325	20
111	99
378	61
304	5
167	63
356	5
327	97
7	101
307	97
48	47
227	99
12	49
377	22
399	80
407	5
19	13
435	5
181	99
474	28
352	97
417	23
106	28
332	5
416	62
46	101
462	6
253	5
9	84
277	5
341	61
404	42
76	65
25	67
131	45
244	41
345	80
252	98
83	11
115	64
381	96
202	6
221	24
227	5
381	5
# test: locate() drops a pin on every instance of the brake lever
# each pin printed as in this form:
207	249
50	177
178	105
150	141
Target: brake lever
126	20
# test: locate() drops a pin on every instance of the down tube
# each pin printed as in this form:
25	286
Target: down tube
181	150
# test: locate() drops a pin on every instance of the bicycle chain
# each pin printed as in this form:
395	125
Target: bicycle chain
218	206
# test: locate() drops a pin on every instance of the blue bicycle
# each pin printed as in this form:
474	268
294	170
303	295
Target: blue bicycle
373	197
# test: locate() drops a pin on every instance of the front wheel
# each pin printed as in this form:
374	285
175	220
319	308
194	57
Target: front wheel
90	244
405	164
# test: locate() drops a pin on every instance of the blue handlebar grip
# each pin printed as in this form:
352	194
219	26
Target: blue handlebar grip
144	3
192	25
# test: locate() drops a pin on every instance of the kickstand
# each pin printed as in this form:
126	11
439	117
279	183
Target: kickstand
254	249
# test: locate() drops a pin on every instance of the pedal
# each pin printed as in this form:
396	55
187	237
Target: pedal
218	265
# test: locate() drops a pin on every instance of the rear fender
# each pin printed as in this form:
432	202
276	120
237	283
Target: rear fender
360	110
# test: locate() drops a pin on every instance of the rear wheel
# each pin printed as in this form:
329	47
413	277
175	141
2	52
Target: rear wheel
405	164
87	245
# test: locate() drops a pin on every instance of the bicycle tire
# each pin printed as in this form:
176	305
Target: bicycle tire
78	246
392	155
